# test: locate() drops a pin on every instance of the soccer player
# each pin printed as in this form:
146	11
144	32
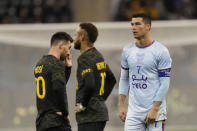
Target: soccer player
145	75
51	74
95	81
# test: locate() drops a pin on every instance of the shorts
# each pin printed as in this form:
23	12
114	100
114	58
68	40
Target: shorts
62	128
135	121
93	126
156	126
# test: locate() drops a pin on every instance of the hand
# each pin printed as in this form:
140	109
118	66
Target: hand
68	119
68	60
151	116
59	113
79	108
122	113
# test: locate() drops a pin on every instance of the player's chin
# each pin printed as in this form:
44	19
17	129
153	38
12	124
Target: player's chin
77	45
136	37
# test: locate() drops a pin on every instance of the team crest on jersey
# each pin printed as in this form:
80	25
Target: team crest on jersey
140	58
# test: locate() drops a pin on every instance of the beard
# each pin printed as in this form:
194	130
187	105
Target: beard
77	45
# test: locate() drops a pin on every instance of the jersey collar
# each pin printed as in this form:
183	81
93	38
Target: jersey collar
144	46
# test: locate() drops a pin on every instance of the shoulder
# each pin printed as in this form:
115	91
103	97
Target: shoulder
160	47
54	64
98	53
127	49
89	57
161	51
81	59
128	46
44	62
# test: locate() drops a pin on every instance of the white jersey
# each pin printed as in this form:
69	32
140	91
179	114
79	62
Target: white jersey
143	67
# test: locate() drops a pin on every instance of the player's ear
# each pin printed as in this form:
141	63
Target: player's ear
60	44
148	26
83	36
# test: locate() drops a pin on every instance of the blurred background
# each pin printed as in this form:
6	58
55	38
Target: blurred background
26	27
61	11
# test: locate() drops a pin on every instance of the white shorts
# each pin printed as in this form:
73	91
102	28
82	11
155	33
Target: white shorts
156	126
135	121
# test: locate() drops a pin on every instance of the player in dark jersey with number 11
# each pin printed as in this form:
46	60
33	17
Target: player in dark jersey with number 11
95	81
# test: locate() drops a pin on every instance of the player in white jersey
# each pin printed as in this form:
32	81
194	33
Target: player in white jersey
145	76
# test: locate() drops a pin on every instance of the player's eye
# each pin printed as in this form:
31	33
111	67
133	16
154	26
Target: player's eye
138	23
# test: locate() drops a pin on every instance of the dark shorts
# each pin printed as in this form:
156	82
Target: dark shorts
67	128
93	126
50	120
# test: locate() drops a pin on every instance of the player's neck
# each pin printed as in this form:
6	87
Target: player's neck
55	53
144	41
85	47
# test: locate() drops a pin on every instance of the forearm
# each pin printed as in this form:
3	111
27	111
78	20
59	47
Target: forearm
110	82
121	100
124	82
60	95
163	89
156	105
63	103
83	97
67	73
87	89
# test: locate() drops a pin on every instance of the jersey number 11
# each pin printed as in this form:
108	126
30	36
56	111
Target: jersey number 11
103	75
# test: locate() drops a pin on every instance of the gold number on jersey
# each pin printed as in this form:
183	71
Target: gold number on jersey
40	96
103	75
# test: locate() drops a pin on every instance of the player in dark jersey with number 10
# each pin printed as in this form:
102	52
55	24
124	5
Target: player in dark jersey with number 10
52	72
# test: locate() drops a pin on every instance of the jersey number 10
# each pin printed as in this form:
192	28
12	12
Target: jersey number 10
40	96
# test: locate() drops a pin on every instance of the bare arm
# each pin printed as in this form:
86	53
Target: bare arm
123	86
164	68
121	110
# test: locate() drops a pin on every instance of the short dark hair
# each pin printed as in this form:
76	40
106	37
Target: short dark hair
91	31
146	18
59	36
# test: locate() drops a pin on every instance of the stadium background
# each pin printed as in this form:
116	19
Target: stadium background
25	37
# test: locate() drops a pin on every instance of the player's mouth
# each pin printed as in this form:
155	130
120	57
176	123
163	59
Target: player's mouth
134	32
